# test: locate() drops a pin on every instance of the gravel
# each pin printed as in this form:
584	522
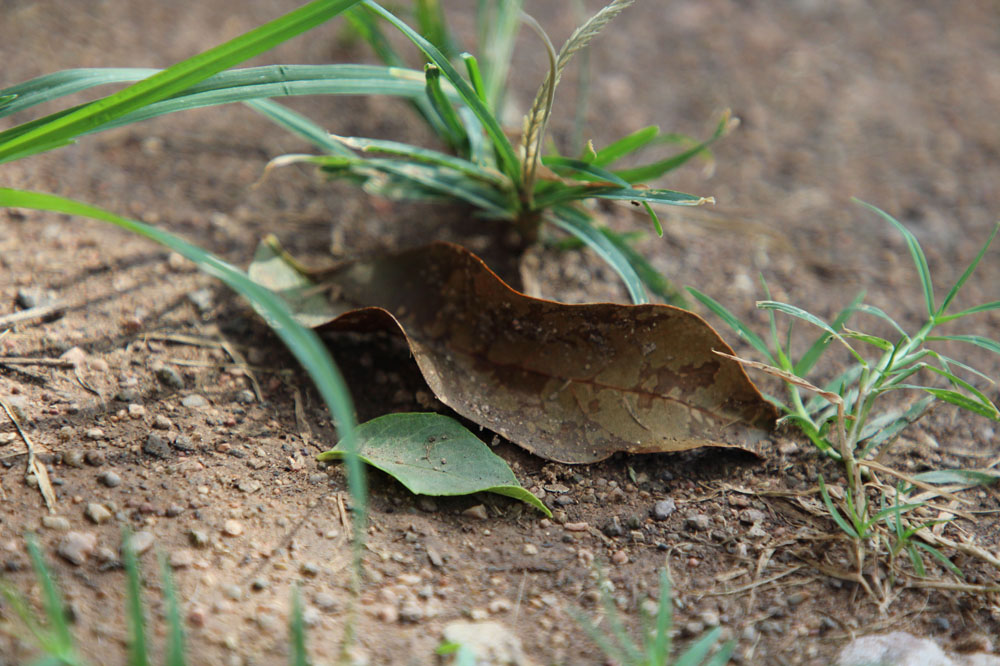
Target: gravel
110	478
664	509
97	513
76	547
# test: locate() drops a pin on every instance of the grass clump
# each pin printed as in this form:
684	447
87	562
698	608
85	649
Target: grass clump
655	644
500	177
843	419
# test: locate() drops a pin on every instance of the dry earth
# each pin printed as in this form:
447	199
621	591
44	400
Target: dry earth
158	421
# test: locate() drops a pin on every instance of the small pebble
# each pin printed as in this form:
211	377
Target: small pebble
97	513
136	411
94	434
530	549
95	458
232	591
246	397
577	527
664	509
174	510
170	377
183	443
141	541
161	422
326	602
76	547
232	528
620	557
697	522
499	605
57	523
477	511
110	479
259	584
156	445
194	401
198	537
411	612
180	559
73	458
387	613
202	299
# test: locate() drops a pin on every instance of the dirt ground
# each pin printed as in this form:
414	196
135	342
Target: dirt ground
158	422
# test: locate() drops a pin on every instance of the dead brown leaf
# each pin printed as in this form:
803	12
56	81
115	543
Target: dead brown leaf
571	383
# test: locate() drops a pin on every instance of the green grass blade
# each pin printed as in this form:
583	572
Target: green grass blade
967	274
505	151
820	345
454	130
721	658
741	329
432	25
652	278
978	340
363	21
475	75
865	308
915	251
175	624
985	307
582	170
834	512
298	124
138	653
565	194
59	639
698	650
982	407
177	78
659	649
940	557
297	631
606	646
580	225
652	171
58	84
498	24
624	146
799	313
426	156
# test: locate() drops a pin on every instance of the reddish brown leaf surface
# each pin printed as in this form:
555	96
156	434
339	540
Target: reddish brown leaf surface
571	383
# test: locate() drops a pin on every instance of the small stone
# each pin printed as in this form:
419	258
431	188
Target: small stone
613	528
246	397
161	422
183	443
249	486
110	479
269	622
141	541
709	618
425	503
751	516
232	591
156	445
194	401
309	569
788	448
94	434
197	616
477	511
56	523
174	510
105	555
326	602
136	411
232	528
664	509
489	642
387	613
576	527
129	394
620	557
73	458
76	547
411	612
499	605
95	458
29	297
697	522
180	559
259	584
199	538
530	549
97	513
202	299
170	377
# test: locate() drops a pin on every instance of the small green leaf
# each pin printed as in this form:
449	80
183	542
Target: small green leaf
433	454
834	513
625	145
960	476
968	272
978	340
734	323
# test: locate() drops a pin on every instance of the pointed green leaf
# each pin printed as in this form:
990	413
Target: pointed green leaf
625	145
433	454
968	272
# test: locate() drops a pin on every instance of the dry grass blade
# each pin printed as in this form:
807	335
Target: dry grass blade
34	467
534	125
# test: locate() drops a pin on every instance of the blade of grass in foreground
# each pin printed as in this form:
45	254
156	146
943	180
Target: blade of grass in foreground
174	79
303	343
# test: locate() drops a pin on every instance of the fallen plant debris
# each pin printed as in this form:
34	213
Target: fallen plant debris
432	454
570	383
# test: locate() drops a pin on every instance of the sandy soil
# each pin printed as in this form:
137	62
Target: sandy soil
894	104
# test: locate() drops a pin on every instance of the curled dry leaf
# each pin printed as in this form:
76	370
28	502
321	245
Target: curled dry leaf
570	383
